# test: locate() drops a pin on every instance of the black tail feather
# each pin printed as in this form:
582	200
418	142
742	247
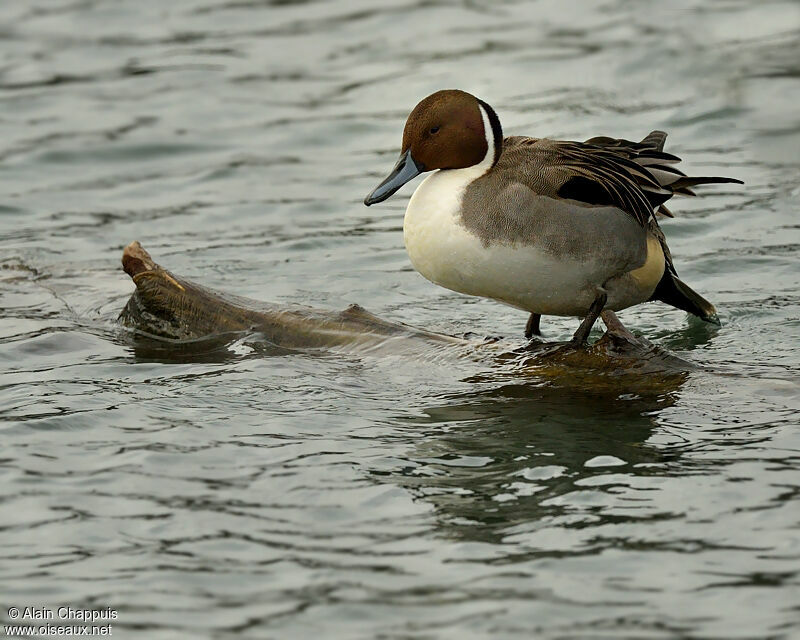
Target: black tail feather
675	292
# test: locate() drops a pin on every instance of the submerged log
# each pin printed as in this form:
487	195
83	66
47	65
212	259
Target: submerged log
173	309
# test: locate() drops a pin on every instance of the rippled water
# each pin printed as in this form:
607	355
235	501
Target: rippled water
293	495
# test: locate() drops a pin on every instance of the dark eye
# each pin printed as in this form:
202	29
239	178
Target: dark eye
434	130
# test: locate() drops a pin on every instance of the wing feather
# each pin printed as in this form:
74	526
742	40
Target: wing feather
636	177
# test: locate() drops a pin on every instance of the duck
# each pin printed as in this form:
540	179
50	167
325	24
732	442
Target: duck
550	227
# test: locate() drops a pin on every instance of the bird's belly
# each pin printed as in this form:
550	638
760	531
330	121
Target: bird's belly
525	276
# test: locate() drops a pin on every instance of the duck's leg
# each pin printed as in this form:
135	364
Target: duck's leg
532	328
614	325
582	334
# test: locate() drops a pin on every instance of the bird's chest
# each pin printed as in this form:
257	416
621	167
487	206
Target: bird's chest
439	246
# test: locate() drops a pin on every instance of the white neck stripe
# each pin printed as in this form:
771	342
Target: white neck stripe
485	164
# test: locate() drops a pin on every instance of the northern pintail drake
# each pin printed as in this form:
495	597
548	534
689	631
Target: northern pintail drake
547	226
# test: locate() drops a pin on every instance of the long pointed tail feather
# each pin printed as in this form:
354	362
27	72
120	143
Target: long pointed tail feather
675	292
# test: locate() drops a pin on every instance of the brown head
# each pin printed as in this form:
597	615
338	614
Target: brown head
447	130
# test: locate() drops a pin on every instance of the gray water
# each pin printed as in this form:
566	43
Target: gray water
257	494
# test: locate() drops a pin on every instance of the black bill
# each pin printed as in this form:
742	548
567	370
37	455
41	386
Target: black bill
406	169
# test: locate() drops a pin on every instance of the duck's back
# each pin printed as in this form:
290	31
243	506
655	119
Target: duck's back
521	201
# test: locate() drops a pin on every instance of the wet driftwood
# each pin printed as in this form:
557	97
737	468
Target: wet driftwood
171	307
174	309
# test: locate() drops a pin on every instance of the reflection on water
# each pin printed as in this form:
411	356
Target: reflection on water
221	348
231	489
516	447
